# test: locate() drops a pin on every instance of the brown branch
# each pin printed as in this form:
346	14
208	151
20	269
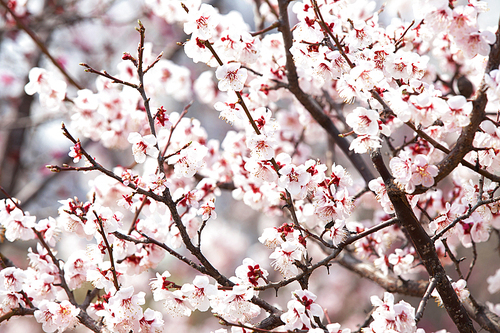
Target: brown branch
110	251
309	103
390	283
17	312
326	261
105	74
424	246
464	142
149	240
40	44
425	299
420	189
269	28
482	315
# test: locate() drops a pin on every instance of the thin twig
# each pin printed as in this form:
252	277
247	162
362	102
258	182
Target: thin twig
269	28
40	45
473	262
425	299
456	262
110	251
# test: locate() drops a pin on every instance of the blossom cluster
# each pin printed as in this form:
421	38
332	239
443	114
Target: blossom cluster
283	94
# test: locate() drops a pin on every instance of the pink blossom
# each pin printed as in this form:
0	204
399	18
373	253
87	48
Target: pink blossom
231	76
494	282
364	143
151	322
301	310
249	48
236	305
189	160
19	226
261	146
459	111
337	232
76	267
251	272
402	263
76	152
476	43
123	310
102	216
261	169
377	185
207	210
160	285
401	167
230	112
284	258
86	100
201	23
12	279
176	304
422	173
196	49
162	118
56	316
49	230
52	91
157	183
363	121
142	146
199	292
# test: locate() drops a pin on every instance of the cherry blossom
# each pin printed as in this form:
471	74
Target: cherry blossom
199	292
422	173
76	152
52	91
49	230
102	217
188	161
231	76
202	22
284	258
12	279
122	312
301	310
176	304
399	317
494	282
251	271
402	263
236	305
363	121
416	90
142	146
261	146
230	112
261	169
152	321
364	143
160	285
56	316
378	186
293	178
19	226
207	210
459	287
157	183
76	267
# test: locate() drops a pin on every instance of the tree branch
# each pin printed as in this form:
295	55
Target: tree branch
309	103
424	247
